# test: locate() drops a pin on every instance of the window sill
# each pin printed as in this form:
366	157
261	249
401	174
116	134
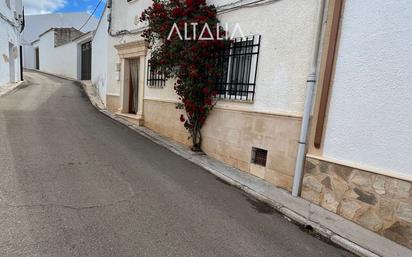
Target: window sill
235	101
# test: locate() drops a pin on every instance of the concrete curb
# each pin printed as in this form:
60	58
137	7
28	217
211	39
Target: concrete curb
331	226
12	88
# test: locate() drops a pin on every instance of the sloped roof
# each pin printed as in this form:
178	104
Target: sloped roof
38	24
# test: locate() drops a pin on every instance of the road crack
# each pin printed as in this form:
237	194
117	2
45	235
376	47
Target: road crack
62	206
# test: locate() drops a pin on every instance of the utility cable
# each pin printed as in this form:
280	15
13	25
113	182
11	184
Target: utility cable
91	15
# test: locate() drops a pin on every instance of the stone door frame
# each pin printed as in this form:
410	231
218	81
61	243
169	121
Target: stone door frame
127	52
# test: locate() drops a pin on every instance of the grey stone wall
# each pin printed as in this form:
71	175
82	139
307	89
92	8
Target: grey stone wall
379	203
65	35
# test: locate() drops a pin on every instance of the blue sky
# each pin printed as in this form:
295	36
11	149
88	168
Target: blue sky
49	6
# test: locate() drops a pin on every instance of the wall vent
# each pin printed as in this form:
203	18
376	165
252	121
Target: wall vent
259	156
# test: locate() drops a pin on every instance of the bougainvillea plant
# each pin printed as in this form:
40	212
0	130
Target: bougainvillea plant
185	37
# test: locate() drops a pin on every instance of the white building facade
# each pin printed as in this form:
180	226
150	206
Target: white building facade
359	161
61	52
359	165
38	24
11	24
286	46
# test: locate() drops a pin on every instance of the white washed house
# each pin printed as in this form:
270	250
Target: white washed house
286	30
11	20
65	52
38	24
122	19
358	161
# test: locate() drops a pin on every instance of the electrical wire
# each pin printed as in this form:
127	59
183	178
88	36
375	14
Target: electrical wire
91	15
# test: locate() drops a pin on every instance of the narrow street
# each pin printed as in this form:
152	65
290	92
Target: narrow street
75	183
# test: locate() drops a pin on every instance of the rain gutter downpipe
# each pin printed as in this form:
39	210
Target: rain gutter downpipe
310	89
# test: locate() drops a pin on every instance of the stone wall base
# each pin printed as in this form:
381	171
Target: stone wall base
379	203
113	103
163	118
229	136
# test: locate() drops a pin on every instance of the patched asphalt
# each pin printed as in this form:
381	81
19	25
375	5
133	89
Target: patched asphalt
73	182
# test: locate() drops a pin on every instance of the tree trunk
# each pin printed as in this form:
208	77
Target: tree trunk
196	140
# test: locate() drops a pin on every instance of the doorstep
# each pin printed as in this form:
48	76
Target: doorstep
136	119
337	229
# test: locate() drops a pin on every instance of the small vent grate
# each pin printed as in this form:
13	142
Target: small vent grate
259	156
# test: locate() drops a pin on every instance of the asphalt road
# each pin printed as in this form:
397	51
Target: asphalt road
75	183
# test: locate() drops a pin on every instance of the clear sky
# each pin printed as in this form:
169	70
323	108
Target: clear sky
49	6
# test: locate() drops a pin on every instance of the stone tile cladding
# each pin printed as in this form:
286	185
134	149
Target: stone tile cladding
379	203
229	136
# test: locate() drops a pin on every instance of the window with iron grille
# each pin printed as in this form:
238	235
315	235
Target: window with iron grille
237	65
155	78
259	156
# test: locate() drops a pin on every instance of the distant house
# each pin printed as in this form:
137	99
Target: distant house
11	24
38	24
65	52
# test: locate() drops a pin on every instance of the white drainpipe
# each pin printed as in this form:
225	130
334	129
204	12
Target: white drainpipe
310	89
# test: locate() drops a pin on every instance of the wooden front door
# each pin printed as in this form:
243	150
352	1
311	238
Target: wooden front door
86	61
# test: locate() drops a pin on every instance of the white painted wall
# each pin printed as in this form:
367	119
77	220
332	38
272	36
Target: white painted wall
63	60
37	24
29	56
100	57
287	29
370	113
57	60
124	17
9	34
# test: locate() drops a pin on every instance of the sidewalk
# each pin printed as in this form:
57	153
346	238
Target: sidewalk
338	230
10	88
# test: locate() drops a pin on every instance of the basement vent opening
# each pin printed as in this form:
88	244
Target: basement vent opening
259	156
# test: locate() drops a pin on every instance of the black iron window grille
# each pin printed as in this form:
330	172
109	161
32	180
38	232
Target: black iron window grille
237	65
155	78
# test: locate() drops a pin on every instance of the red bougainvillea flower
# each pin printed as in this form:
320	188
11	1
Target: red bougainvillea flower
190	61
193	73
202	120
189	3
182	118
177	12
157	7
